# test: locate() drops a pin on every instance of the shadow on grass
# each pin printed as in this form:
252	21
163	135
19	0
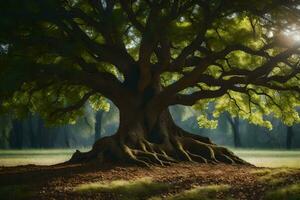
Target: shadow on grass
16	192
127	190
208	192
290	192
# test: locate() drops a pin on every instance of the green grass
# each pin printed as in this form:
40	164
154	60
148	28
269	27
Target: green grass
291	192
260	158
16	192
274	176
270	158
34	156
208	192
126	190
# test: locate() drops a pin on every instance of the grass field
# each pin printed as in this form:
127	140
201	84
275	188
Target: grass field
261	158
34	156
270	158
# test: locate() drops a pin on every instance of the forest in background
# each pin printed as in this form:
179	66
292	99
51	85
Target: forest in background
32	132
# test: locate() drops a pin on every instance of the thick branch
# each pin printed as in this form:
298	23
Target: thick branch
97	81
191	99
79	104
115	54
132	16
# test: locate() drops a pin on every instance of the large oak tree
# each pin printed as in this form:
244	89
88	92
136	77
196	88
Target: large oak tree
146	55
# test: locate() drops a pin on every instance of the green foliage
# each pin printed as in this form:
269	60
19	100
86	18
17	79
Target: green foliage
260	101
204	119
42	46
206	123
55	49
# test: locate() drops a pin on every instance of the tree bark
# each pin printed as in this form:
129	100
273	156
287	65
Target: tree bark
147	134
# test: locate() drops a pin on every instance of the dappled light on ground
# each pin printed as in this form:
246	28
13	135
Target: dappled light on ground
146	187
206	192
127	190
274	177
290	192
175	182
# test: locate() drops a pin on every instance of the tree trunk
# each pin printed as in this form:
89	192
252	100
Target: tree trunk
289	137
16	136
98	124
236	132
235	126
146	140
147	135
66	137
34	138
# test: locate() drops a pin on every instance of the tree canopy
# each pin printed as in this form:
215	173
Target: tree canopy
240	56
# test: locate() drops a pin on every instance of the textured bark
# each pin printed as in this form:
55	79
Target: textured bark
147	134
162	143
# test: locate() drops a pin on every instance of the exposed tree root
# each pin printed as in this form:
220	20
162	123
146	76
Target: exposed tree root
181	148
135	144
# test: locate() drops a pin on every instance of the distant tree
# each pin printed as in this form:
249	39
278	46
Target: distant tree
235	127
16	135
145	56
98	126
5	130
289	137
66	137
34	136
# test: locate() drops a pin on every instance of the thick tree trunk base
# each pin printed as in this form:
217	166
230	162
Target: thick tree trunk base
183	146
155	142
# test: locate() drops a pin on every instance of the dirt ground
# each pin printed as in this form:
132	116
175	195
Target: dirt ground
59	181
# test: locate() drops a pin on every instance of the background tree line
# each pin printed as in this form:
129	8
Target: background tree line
32	132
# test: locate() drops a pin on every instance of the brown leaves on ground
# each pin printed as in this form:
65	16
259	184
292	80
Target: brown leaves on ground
59	181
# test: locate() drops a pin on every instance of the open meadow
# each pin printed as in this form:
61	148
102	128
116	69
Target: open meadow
259	158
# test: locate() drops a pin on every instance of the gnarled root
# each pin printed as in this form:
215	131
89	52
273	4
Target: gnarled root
180	148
